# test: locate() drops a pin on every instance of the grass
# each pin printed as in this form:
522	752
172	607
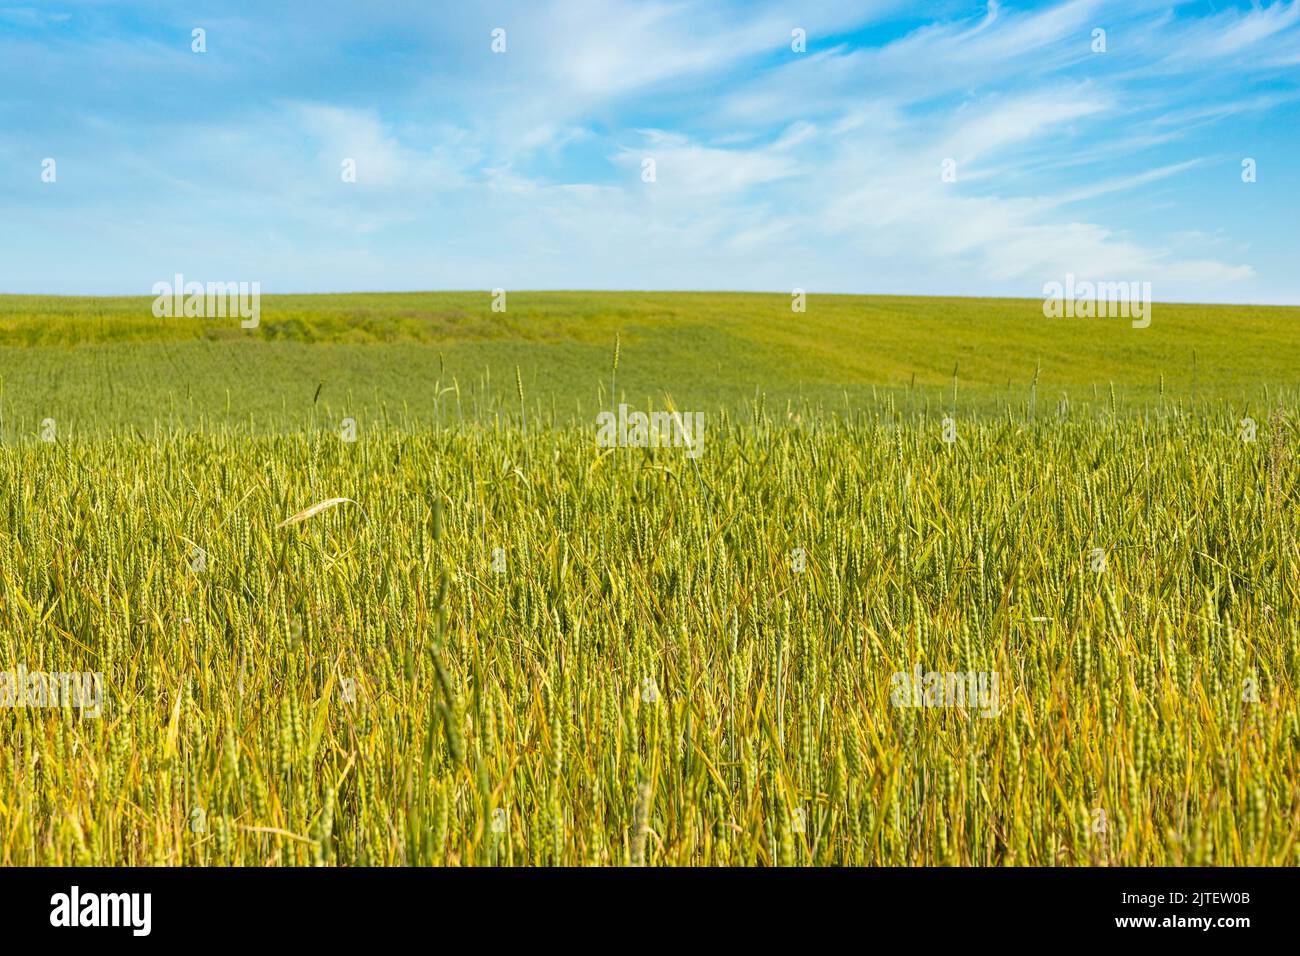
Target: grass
684	661
98	364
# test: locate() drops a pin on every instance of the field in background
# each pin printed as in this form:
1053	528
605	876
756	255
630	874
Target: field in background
512	646
95	365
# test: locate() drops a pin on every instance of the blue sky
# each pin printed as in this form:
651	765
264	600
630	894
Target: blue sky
774	169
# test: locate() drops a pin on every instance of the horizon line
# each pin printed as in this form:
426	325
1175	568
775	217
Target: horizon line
737	292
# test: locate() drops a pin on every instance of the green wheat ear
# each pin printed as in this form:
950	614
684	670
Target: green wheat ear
523	416
613	374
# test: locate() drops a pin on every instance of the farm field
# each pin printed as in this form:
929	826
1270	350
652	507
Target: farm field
495	642
95	365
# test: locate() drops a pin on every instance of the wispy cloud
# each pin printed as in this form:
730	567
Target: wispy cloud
773	168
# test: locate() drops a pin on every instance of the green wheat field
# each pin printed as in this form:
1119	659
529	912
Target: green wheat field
473	636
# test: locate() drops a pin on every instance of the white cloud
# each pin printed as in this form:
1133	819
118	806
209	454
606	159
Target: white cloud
687	171
523	169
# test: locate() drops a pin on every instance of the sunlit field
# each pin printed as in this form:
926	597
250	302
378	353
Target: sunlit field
941	581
